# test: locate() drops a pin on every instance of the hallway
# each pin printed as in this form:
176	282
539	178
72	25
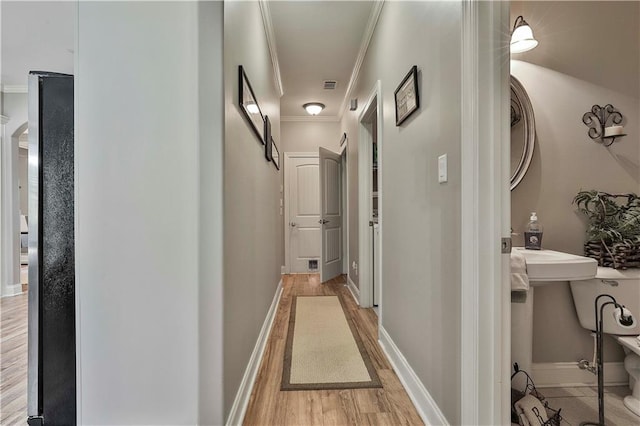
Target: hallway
271	406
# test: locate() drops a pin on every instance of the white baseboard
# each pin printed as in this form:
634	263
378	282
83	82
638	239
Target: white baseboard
239	408
424	403
13	290
567	374
355	292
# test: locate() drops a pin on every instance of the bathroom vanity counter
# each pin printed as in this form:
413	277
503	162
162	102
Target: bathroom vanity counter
544	266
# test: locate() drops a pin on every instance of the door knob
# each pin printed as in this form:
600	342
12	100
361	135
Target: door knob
292	224
323	221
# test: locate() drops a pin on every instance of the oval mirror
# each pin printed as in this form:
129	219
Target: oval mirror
523	132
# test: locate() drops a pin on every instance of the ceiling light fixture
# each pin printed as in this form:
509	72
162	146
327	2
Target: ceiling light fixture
313	108
522	36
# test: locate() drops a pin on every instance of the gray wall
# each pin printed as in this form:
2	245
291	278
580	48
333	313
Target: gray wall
588	54
420	219
253	231
137	212
14	106
307	136
211	220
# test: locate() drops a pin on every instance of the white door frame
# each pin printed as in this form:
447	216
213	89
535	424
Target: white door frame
3	120
365	242
485	214
10	283
345	207
288	156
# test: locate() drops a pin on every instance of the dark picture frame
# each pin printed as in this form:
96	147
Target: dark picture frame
407	97
275	154
267	138
249	104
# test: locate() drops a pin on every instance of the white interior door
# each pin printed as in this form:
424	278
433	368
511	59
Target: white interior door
331	214
303	213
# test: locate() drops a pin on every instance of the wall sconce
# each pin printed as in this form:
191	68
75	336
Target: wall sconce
313	108
522	38
604	124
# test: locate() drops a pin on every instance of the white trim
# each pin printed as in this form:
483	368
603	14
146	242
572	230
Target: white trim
271	42
470	275
241	402
426	406
485	202
288	156
311	118
345	208
364	45
15	89
9	210
355	292
364	193
567	374
12	290
4	119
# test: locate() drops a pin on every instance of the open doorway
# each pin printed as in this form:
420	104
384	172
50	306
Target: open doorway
370	201
23	196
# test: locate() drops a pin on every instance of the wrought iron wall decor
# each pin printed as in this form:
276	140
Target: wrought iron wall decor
604	124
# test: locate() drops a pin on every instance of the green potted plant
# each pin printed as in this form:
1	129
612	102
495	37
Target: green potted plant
613	231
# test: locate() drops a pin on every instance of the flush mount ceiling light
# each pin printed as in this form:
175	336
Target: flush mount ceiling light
313	108
522	36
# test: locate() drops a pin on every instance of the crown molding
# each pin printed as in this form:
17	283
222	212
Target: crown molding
325	119
364	45
271	41
14	89
4	119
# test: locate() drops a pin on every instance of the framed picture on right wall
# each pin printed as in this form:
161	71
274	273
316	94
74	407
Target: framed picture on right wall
406	96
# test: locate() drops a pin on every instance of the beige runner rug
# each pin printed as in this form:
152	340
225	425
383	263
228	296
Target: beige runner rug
324	350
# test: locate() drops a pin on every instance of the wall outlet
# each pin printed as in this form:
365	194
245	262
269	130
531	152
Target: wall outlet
354	265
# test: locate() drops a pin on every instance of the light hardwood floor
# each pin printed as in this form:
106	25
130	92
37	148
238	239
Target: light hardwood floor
13	360
269	405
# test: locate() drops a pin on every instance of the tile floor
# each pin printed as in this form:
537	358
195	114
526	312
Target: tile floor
580	404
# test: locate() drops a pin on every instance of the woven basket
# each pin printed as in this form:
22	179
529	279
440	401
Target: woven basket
621	255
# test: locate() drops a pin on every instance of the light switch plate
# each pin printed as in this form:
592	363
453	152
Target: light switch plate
442	168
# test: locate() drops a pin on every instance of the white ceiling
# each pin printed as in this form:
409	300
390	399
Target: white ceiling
36	36
317	41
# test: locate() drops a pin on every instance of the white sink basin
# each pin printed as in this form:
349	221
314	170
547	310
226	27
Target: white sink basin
549	265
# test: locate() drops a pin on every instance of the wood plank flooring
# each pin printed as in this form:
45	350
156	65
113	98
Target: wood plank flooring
270	406
13	360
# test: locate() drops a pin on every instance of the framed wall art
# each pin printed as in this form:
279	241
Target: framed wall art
406	96
267	138
249	104
275	157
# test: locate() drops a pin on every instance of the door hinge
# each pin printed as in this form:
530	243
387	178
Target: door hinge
506	245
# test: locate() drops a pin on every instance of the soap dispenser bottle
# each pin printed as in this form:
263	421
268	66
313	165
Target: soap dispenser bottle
533	233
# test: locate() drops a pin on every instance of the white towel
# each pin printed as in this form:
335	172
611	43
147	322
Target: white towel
519	278
531	411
